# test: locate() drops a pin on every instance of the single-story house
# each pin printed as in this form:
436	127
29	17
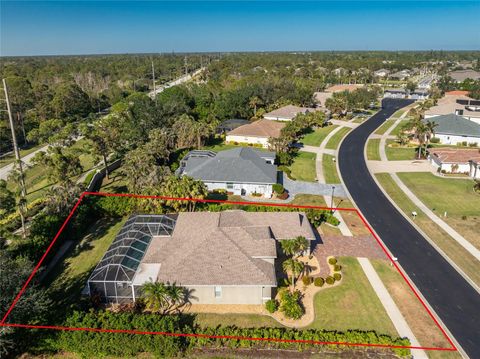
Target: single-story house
456	102
395	93
456	160
381	73
400	75
286	113
419	94
321	97
241	171
452	129
219	257
462	75
229	125
256	133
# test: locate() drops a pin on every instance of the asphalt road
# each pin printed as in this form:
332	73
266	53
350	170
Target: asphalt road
453	299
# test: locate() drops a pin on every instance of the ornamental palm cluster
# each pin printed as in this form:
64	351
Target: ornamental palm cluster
165	298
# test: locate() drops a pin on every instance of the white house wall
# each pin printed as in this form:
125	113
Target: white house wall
229	295
277	118
264	189
263	141
454	139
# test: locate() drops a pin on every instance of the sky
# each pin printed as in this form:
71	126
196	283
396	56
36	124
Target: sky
101	27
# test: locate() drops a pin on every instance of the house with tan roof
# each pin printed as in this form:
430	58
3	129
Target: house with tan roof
462	75
256	133
286	113
456	160
458	103
220	257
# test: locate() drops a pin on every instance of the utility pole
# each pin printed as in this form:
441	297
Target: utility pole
186	65
153	79
23	201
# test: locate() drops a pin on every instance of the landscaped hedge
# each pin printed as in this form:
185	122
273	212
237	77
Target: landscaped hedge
94	344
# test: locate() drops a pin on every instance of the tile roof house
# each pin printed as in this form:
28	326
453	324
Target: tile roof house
221	257
241	171
257	133
452	129
456	160
462	75
286	113
395	93
456	102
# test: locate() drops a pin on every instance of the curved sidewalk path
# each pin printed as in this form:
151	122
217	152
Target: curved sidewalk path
437	220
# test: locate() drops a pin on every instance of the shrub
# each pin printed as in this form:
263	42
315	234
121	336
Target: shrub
330	280
287	171
464	218
271	305
473	144
284	195
278	188
290	305
337	276
318	282
435	140
337	267
306	280
332	261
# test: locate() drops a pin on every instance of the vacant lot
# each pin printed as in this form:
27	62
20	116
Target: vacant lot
373	149
457	253
351	305
303	167
316	137
337	138
456	197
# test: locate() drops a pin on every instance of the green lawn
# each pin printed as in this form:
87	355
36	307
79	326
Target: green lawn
309	200
457	253
337	137
373	149
384	127
218	145
23	152
69	276
240	320
454	196
316	137
330	169
351	305
303	167
397	153
398	127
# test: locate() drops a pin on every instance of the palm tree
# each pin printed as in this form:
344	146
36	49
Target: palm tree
155	295
430	132
302	244
294	267
254	102
176	296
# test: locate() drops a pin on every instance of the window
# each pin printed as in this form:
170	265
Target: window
229	185
218	292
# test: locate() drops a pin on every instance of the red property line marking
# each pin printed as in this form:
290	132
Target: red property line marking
4	324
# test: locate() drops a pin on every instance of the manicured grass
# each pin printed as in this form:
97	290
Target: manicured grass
303	167
330	169
422	325
316	137
399	113
399	153
373	149
213	320
457	253
398	128
10	158
454	196
351	305
69	276
309	200
337	137
384	127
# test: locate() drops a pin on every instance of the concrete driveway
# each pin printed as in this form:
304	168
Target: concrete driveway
322	189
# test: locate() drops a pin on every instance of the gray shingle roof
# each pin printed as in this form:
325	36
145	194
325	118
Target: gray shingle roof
239	165
452	124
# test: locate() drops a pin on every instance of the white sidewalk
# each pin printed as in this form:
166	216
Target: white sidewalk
391	308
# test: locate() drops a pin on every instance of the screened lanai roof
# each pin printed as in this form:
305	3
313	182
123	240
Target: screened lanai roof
124	255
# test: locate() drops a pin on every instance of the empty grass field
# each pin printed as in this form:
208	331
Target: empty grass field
397	153
330	169
335	140
373	149
456	197
303	167
316	137
455	251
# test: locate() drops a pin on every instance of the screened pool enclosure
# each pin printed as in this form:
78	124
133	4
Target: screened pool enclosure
113	277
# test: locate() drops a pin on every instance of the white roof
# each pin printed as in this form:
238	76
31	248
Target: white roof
147	272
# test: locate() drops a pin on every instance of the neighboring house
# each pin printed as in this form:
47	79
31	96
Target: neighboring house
381	73
286	113
231	124
456	160
321	98
241	171
419	94
456	102
256	133
452	129
395	93
462	75
220	257
400	75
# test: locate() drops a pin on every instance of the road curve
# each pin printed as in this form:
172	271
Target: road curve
453	299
